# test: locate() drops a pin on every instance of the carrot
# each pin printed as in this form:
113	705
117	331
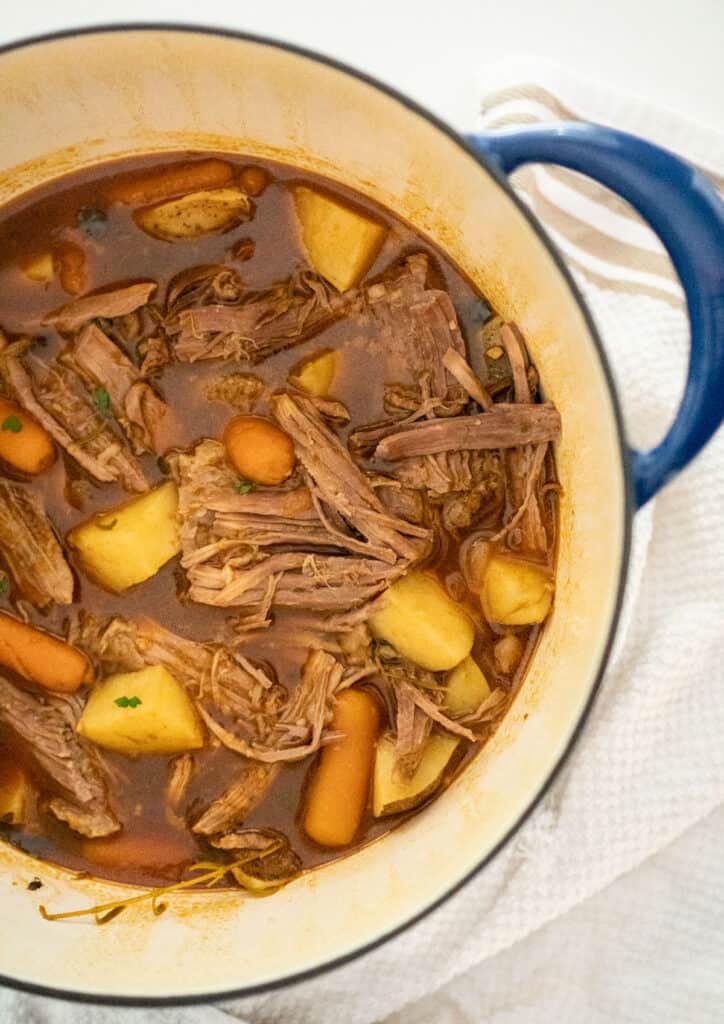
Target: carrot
253	180
69	262
24	444
42	658
152	852
166	182
340	784
258	450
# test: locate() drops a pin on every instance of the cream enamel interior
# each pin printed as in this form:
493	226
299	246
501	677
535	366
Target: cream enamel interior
71	102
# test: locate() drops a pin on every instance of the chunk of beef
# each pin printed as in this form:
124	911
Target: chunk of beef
238	800
54	746
181	771
261	324
30	548
297	579
285	548
55	397
342	486
154	353
136	406
412	729
110	304
454	471
505	426
419	325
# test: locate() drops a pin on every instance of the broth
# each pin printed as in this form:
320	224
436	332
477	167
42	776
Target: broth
117	251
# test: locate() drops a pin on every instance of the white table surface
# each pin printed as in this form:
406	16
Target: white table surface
666	51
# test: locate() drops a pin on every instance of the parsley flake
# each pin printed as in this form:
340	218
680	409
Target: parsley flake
128	702
244	486
4	585
102	402
13	424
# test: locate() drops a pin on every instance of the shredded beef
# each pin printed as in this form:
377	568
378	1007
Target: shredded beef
53	745
30	548
136	406
118	302
54	395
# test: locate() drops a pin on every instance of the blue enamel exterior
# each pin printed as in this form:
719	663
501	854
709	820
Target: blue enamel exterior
687	214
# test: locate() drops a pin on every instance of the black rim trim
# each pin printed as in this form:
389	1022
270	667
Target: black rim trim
629	508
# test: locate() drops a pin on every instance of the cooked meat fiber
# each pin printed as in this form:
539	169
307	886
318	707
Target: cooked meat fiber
235	548
108	305
55	396
524	463
505	426
136	406
236	802
342	486
420	325
266	322
53	745
30	548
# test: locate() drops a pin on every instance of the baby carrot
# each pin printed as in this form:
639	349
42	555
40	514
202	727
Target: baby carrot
24	444
340	783
42	658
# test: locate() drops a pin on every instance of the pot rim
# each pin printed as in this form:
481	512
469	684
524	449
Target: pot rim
628	510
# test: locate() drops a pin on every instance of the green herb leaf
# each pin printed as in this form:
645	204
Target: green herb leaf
4	585
102	401
128	702
244	486
13	424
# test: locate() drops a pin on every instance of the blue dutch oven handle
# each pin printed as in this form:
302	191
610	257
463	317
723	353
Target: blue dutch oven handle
686	213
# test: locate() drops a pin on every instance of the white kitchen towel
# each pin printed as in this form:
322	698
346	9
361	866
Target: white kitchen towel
650	764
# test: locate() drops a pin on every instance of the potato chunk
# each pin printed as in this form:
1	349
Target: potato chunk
143	712
515	593
40	267
341	243
466	688
126	545
392	794
14	790
315	373
200	213
422	623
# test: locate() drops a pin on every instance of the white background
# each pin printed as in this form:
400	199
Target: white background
666	51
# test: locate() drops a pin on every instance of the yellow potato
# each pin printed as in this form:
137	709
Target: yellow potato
341	243
143	712
14	790
315	373
40	268
126	545
515	593
200	213
465	689
423	623
392	794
